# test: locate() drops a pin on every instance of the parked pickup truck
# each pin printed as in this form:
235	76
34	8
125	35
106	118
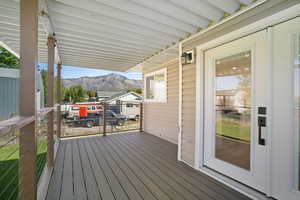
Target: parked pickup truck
94	119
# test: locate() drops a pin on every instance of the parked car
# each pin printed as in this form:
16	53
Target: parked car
96	119
131	111
74	110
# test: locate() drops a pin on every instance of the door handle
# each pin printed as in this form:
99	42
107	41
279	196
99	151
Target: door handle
261	123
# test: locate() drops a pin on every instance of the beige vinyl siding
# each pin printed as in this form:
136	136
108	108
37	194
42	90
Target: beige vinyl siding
189	71
188	113
161	119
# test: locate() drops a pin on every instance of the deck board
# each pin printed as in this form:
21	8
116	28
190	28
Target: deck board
67	179
78	178
56	179
89	176
177	184
103	184
201	190
148	182
131	166
160	148
134	180
166	155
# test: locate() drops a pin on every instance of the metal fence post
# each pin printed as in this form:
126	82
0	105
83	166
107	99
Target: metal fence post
104	119
141	117
28	62
59	67
50	101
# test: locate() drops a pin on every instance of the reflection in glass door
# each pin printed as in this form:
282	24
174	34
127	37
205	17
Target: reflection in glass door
233	109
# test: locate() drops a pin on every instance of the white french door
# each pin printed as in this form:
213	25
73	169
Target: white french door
285	180
235	109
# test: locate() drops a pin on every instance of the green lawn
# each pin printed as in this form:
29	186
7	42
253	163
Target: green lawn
231	127
9	168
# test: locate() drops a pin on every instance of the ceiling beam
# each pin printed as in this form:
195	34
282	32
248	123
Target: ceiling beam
151	14
100	56
9	48
100	39
84	51
246	2
202	8
107	51
96	8
98	32
89	43
61	11
229	6
174	11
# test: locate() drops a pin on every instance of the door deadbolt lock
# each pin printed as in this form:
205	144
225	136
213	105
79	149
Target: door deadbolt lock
262	122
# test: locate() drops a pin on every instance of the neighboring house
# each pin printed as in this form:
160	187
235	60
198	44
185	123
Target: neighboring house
9	93
104	95
235	99
127	103
125	97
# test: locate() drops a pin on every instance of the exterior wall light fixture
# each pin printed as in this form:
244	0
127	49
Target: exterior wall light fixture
187	58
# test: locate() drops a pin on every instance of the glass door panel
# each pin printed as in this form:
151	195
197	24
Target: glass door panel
235	79
233	109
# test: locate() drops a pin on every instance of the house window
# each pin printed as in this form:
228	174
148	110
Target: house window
156	86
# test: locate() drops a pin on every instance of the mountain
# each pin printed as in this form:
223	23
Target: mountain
110	82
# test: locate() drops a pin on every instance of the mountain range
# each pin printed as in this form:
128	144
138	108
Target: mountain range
110	82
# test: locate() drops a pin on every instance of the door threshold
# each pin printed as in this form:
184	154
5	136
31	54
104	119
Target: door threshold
246	190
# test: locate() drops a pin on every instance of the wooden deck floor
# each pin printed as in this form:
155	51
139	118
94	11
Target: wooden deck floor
131	166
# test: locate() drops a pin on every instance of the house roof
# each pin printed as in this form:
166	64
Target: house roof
122	94
108	94
118	34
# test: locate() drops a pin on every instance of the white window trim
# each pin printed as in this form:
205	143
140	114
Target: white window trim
160	71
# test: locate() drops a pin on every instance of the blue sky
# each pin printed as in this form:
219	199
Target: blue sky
75	72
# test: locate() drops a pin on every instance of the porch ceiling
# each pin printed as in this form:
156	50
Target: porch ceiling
115	34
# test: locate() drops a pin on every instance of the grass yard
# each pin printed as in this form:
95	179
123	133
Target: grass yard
9	168
233	128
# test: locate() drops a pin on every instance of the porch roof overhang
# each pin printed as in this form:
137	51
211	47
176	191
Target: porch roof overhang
115	34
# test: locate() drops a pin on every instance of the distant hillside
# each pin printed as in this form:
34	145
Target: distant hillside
110	82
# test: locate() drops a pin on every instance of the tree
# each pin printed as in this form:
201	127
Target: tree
135	90
74	94
245	86
44	75
91	93
8	60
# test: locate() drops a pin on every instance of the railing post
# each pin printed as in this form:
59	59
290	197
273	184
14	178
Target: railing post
28	62
59	67
104	119
50	101
141	117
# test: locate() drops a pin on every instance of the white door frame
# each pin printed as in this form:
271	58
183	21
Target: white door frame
179	105
265	23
